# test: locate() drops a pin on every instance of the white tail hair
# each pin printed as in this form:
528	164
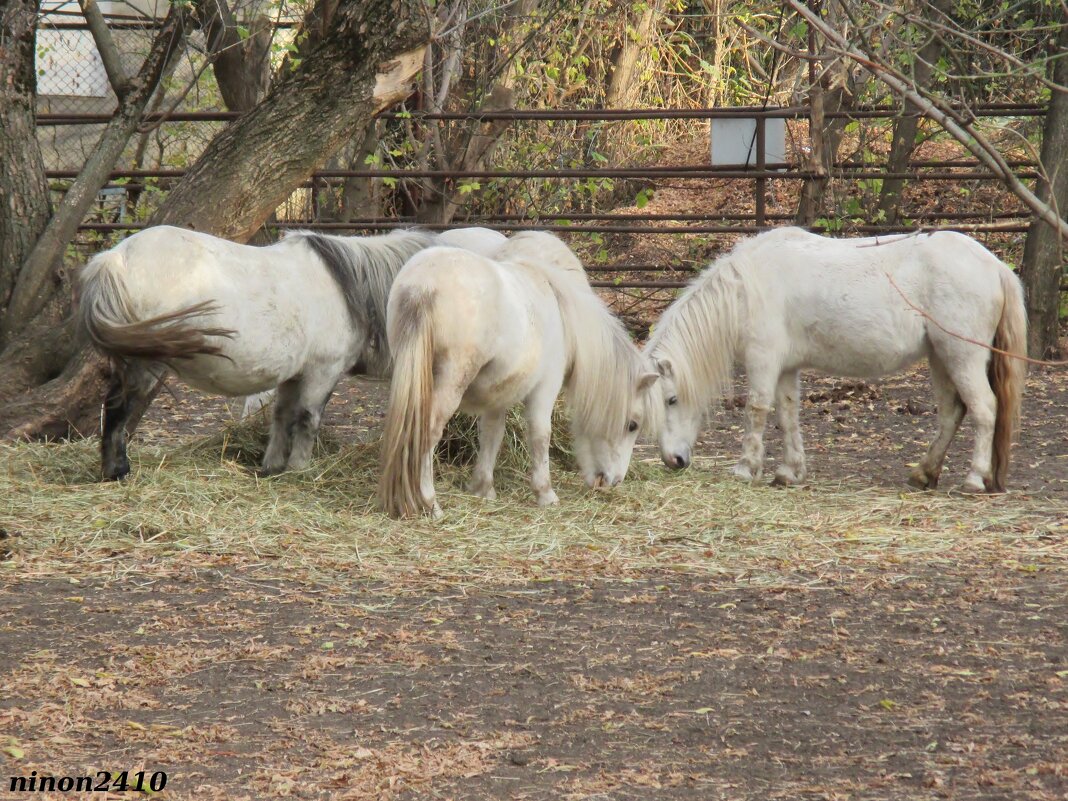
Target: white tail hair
406	435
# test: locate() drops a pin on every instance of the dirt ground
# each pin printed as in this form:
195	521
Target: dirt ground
913	684
938	686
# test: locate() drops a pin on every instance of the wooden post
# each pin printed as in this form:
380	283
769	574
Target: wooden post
761	161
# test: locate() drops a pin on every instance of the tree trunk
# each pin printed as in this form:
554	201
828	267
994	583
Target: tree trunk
362	64
24	200
242	64
442	200
908	124
252	166
36	284
1043	266
623	85
826	135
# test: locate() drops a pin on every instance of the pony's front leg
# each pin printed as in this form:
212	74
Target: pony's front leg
490	434
750	466
538	412
308	414
280	443
788	406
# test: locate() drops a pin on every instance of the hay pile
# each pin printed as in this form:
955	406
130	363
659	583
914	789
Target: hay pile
199	505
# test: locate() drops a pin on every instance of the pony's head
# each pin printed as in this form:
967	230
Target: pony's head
681	418
604	439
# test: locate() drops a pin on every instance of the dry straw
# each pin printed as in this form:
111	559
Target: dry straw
198	505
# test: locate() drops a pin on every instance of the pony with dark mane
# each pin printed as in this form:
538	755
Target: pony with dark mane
234	320
789	300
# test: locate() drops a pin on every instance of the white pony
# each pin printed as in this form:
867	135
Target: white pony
235	320
788	300
479	240
482	335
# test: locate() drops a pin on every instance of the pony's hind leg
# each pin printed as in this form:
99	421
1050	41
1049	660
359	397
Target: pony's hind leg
788	406
968	372
130	385
950	412
449	388
490	434
538	412
762	383
279	443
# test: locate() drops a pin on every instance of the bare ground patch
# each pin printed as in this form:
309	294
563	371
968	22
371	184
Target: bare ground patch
939	684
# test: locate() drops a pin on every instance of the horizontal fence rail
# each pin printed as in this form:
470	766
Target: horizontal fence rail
668	275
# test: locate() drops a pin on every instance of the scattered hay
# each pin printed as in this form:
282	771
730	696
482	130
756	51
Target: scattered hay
199	505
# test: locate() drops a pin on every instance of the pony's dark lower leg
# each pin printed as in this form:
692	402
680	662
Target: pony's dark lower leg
280	443
130	386
950	413
298	410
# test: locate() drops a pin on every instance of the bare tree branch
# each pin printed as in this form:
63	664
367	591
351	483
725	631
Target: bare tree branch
105	45
955	123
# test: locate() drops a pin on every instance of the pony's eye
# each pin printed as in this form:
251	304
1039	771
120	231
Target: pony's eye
632	427
673	400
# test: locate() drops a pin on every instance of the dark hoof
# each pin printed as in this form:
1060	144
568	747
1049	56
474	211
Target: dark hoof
118	472
267	472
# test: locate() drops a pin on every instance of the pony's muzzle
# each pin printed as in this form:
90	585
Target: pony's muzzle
677	461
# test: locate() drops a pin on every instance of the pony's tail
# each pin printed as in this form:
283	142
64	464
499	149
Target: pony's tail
1007	374
104	313
406	436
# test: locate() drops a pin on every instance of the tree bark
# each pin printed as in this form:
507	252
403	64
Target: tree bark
623	84
362	64
1043	266
35	283
24	199
908	124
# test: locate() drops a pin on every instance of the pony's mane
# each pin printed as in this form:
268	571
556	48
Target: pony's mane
699	332
603	364
364	268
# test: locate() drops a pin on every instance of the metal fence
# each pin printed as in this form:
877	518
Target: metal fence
638	275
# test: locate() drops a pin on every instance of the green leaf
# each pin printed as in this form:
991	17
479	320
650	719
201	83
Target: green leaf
13	751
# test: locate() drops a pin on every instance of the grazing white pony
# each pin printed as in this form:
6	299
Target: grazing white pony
235	320
788	300
479	240
482	335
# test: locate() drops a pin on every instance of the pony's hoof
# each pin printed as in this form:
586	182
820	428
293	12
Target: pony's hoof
483	491
785	477
973	485
743	472
548	499
921	481
267	472
118	472
435	512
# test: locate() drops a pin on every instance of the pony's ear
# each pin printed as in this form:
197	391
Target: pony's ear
647	380
663	367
